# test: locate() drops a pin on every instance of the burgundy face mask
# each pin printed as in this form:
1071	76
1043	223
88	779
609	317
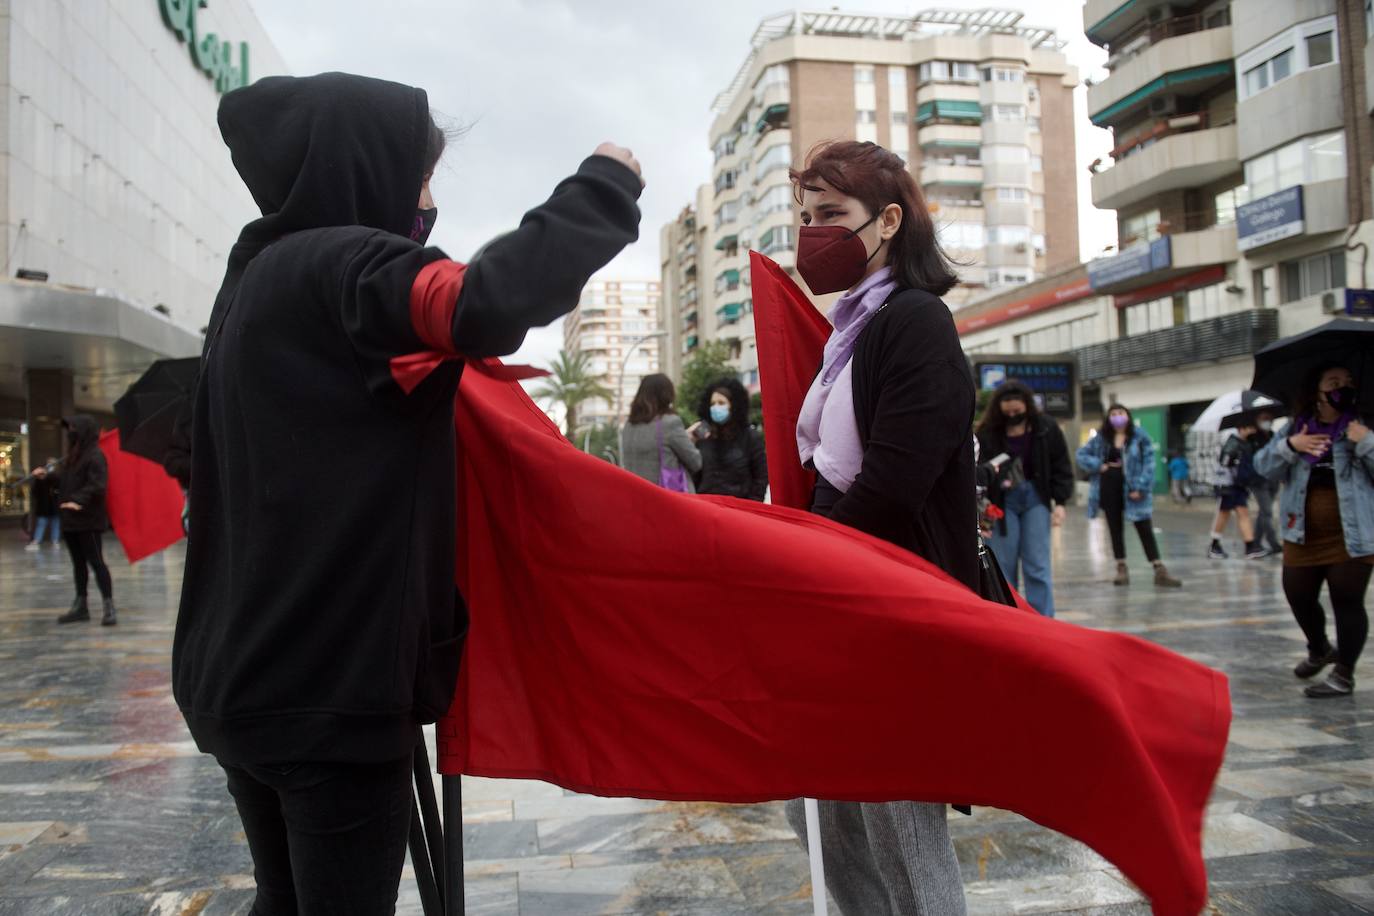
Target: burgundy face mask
832	258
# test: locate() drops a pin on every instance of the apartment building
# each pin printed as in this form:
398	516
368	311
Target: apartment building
1241	179
978	104
616	323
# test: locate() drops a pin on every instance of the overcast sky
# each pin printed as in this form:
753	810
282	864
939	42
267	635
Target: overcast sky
541	82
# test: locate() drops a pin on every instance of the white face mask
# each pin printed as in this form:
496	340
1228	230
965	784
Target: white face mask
1266	425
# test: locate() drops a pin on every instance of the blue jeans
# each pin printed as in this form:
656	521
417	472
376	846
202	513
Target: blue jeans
1027	543
40	528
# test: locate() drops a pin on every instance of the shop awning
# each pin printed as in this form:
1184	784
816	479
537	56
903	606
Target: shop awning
949	109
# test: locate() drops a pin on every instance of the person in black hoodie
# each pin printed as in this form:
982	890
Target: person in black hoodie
888	426
81	480
319	624
1013	425
733	461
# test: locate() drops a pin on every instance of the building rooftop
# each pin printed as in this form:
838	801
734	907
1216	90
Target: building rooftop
890	28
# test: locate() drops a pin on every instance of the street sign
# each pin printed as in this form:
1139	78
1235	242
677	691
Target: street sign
1269	219
1052	381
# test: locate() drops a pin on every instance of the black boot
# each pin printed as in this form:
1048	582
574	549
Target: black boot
78	613
108	619
1339	683
1314	663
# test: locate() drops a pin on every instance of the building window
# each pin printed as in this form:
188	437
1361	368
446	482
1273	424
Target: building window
1002	75
1037	164
778	156
1320	157
1316	274
1005	113
1143	227
1212	302
1257	284
727	213
1059	338
863	73
1038	200
865	117
1321	49
961	235
1009	235
725	146
1003	152
1310	44
1013	194
1008	276
773	200
1038	242
1144	317
941	70
779	238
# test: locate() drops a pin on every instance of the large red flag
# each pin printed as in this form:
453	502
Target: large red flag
629	641
144	503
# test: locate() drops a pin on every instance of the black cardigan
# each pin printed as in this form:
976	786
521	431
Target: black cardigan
1050	468
914	402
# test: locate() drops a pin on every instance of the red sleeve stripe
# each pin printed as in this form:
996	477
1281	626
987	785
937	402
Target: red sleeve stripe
433	299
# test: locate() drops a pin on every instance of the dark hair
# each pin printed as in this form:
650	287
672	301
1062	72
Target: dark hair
1305	398
1110	431
435	142
878	177
739	406
653	399
1012	390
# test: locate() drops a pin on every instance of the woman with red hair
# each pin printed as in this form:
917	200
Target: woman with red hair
888	427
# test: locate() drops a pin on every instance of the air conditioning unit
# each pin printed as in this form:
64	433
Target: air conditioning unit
1159	14
1331	303
1165	105
1020	246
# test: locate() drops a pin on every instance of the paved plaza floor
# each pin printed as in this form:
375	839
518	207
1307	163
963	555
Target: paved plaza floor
106	807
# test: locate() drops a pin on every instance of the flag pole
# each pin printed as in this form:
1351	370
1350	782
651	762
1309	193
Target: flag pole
813	849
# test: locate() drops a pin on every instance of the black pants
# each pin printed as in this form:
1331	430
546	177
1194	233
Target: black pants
325	837
84	546
1346	583
1113	502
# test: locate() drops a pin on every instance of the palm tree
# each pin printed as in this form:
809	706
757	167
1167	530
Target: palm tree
570	384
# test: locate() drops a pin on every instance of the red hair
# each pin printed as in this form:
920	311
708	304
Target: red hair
877	177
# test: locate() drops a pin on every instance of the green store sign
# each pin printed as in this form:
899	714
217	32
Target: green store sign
210	55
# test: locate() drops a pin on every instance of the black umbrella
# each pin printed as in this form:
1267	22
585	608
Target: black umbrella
1252	404
1282	367
148	410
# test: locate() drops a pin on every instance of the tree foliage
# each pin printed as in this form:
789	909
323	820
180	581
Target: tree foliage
572	384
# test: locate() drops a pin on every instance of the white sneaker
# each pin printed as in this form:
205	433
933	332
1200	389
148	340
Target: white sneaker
31	545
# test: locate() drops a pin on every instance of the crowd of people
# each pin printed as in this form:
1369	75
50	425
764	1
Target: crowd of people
320	764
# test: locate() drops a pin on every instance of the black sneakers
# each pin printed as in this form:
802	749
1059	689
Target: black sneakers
1313	664
1215	552
1335	685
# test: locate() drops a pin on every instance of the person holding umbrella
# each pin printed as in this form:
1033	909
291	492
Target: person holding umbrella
81	480
1327	466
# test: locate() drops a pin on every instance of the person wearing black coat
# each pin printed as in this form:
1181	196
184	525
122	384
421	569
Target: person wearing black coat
733	460
1031	487
81	480
43	506
319	624
888	426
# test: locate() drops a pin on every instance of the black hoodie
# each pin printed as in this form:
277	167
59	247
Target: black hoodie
319	619
83	476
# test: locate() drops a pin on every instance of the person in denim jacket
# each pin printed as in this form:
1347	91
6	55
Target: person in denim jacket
1326	514
1120	462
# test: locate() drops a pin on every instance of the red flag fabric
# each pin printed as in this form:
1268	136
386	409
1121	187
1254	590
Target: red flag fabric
790	336
629	641
143	501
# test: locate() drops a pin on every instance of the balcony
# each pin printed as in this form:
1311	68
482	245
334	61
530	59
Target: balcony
951	136
949	111
1187	64
1106	22
1179	153
996	174
774	117
1167	257
950	173
729	313
1237	335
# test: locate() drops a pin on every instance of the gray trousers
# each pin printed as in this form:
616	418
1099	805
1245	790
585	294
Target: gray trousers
1265	532
886	858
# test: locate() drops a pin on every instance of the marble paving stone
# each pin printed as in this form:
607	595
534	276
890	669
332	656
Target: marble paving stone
1358	891
21	834
476	788
1047	894
485	812
1283	900
583	806
488	867
629	888
1271	735
1242	835
1276	782
508	840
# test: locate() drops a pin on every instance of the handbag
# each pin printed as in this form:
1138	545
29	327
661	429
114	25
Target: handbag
992	585
674	479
